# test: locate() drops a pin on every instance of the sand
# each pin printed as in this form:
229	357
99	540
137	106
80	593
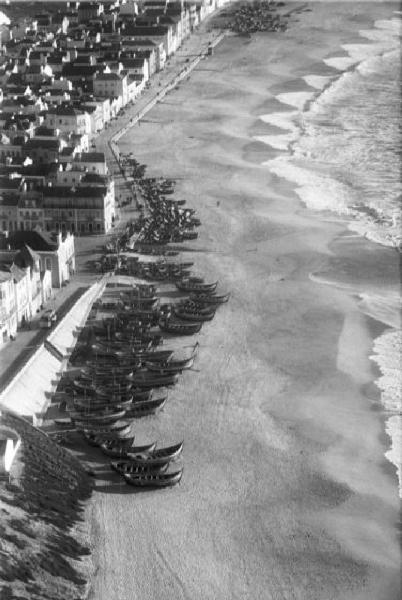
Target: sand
285	493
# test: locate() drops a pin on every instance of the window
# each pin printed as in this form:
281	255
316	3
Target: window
48	264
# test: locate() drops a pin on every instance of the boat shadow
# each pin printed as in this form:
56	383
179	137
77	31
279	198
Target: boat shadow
124	488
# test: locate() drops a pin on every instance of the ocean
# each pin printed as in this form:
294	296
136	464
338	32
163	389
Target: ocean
342	148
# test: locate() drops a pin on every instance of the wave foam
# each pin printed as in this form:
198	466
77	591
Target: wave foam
283	120
297	99
279	142
318	82
393	427
341	63
387	355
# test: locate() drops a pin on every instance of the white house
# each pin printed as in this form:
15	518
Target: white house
9	445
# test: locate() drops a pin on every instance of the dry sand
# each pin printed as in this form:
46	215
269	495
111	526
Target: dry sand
284	493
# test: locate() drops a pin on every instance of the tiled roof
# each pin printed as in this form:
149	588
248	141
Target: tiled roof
37	240
48	144
66	111
92	157
108	77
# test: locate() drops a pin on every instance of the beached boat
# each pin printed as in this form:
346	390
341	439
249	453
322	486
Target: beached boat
86	420
146	379
181	313
97	437
119	450
167	368
94	405
191	286
119	445
106	428
145	408
91	388
126	466
210	298
153	479
179	328
161	456
172	365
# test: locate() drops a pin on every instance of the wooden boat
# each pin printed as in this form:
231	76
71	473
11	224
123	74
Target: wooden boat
210	298
194	316
148	407
139	395
172	366
103	395
161	456
95	404
126	466
96	437
87	387
189	306
122	444
183	363
179	328
117	450
146	379
155	356
139	302
106	428
189	286
85	420
153	479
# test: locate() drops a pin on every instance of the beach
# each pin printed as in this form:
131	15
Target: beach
286	492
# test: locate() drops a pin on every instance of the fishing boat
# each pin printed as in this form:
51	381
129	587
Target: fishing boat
189	306
153	479
117	450
145	408
146	379
88	420
98	436
140	395
178	328
105	428
181	313
210	298
158	457
113	445
167	368
190	286
126	466
96	404
172	365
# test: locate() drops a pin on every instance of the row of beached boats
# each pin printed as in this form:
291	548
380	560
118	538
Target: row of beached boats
119	371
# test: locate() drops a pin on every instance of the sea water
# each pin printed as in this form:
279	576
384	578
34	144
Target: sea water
342	146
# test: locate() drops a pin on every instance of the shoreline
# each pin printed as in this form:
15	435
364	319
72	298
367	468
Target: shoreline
285	463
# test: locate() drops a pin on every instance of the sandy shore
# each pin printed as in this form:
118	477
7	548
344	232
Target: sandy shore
285	492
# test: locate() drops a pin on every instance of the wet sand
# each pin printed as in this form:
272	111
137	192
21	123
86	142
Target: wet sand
284	493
